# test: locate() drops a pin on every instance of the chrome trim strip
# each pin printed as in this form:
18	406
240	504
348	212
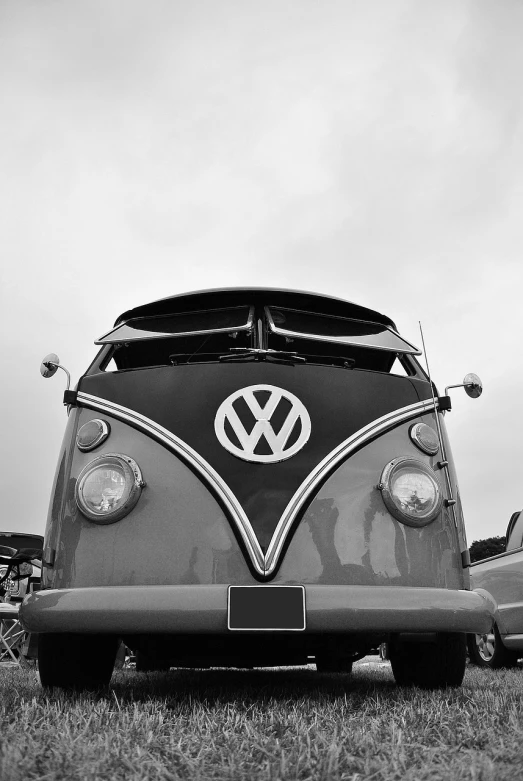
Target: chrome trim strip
189	455
105	338
339	340
514	642
510	606
327	465
496	556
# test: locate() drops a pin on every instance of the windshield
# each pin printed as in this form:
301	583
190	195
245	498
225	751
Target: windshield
256	333
183	324
339	330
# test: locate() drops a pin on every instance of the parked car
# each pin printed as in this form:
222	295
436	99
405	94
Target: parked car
502	577
255	477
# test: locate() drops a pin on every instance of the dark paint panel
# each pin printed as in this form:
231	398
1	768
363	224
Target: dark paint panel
185	399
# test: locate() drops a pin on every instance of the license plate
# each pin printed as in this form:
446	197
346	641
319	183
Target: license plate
266	608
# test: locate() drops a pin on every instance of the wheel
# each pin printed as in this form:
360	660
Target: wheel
487	650
331	664
149	664
429	665
71	661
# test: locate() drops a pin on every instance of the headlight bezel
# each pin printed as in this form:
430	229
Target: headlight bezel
386	485
134	484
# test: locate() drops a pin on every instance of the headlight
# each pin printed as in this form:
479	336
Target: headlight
410	491
108	488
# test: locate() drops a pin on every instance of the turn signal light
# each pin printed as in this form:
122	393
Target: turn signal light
92	434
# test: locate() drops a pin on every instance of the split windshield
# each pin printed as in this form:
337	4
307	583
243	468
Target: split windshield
245	333
339	330
184	324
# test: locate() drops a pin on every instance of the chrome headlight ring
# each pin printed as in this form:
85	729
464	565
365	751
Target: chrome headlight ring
411	491
108	488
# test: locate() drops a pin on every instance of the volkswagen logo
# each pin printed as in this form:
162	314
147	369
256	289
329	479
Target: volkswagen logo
262	423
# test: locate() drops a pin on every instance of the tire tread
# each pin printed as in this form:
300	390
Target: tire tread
430	665
76	661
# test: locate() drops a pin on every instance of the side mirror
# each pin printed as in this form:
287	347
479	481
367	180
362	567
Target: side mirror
473	385
49	365
511	524
473	388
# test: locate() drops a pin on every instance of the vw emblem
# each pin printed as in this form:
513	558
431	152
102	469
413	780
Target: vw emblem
262	423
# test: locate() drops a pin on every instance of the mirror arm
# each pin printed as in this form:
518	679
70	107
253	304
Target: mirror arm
58	366
461	385
444	402
48	368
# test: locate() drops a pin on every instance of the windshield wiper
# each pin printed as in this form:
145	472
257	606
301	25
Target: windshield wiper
259	354
251	354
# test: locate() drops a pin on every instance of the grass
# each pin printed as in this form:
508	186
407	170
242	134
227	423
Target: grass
271	725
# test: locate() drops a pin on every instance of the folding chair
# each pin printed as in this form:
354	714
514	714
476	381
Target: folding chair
11	634
17	551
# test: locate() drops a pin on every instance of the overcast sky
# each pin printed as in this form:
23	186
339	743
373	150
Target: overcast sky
369	150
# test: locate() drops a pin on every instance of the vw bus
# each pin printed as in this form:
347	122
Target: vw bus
255	477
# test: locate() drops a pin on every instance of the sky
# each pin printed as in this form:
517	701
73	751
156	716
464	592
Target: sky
368	149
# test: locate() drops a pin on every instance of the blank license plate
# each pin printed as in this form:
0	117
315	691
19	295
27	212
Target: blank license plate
276	608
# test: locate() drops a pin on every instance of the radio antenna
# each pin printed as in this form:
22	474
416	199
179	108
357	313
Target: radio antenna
443	464
432	391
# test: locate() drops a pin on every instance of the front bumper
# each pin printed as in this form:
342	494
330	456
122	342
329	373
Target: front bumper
201	609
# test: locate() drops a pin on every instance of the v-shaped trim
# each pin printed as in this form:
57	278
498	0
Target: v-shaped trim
264	564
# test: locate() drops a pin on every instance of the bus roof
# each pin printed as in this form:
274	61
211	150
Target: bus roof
234	296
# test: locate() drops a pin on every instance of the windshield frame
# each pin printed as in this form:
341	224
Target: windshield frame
110	337
411	350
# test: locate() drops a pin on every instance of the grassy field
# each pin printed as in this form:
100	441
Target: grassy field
277	724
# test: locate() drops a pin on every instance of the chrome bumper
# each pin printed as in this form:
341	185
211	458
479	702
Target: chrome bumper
202	609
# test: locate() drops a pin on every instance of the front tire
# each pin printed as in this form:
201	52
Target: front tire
75	661
148	664
487	650
430	665
329	664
